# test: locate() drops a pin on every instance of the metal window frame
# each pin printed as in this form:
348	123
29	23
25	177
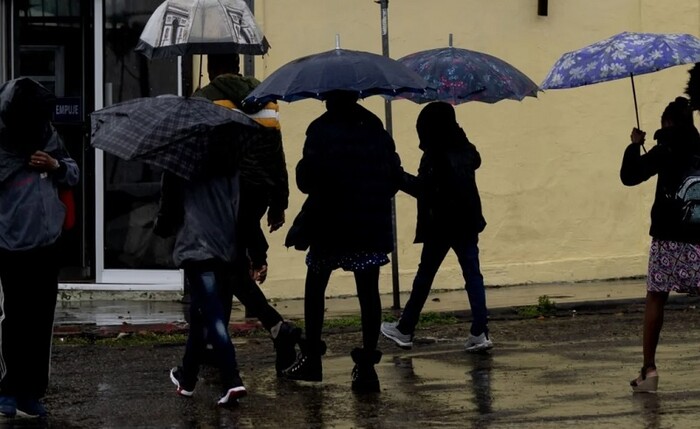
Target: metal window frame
163	280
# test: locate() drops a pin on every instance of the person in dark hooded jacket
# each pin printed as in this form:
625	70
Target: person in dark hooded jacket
674	254
350	171
33	164
449	217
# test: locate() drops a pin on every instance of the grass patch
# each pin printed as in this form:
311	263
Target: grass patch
126	340
544	307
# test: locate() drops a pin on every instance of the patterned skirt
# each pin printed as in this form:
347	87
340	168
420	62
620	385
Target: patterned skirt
673	266
357	261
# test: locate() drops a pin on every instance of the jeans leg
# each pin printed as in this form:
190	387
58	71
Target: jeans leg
254	300
431	257
208	310
468	256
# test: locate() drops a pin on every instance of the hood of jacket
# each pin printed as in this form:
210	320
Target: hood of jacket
229	86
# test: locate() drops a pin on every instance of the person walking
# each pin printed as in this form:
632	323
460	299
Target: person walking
33	165
674	255
449	217
350	171
264	188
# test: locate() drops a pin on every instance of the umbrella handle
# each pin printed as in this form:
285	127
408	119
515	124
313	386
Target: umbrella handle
636	109
634	94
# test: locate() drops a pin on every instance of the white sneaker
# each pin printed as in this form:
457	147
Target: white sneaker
390	330
477	343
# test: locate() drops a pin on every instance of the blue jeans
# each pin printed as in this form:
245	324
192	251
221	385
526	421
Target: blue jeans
207	316
434	252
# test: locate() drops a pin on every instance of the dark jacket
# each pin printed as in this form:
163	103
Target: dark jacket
263	166
350	171
447	196
670	158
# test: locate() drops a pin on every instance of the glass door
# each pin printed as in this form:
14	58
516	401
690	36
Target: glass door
127	192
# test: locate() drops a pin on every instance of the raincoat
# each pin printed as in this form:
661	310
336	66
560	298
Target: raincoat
31	213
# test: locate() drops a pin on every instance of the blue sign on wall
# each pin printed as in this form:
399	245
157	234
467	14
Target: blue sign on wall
68	109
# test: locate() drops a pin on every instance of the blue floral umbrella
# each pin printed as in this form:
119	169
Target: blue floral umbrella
623	55
460	75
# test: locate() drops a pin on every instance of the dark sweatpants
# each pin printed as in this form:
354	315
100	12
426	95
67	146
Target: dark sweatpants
28	292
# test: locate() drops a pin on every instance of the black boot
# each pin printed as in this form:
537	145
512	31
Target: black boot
285	346
307	366
364	377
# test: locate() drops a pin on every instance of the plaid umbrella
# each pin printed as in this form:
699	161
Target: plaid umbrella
185	27
181	135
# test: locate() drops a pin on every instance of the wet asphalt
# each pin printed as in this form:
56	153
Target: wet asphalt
553	372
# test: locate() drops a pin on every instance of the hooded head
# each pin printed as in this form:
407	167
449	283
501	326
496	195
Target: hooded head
678	113
25	111
340	100
437	125
693	87
218	64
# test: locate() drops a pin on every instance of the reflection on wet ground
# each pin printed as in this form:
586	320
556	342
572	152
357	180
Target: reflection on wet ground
540	382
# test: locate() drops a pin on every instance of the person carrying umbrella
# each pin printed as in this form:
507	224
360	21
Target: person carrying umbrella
674	254
33	164
264	188
449	217
350	171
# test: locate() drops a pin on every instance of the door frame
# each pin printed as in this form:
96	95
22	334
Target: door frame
129	278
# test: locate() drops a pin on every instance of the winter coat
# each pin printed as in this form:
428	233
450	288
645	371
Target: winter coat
447	197
350	171
208	226
263	165
31	214
668	159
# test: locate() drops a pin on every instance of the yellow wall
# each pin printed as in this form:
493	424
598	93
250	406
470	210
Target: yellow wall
554	204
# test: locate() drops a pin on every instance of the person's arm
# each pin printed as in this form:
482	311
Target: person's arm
637	168
279	190
170	208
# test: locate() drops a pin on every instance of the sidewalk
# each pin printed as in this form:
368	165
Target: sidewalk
107	317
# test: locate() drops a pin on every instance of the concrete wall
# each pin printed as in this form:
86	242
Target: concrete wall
554	204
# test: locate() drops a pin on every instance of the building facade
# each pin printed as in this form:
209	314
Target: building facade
555	207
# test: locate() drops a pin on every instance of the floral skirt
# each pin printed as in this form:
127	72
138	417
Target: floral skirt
673	266
357	261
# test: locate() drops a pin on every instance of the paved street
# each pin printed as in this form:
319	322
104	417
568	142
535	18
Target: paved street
566	371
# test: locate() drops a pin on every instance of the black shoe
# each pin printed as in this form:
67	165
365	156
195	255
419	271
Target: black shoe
30	407
364	376
285	346
235	391
182	388
306	368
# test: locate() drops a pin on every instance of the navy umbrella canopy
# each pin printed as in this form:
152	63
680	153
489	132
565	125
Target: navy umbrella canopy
314	76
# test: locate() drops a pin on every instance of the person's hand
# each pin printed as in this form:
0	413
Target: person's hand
638	136
42	161
259	275
275	220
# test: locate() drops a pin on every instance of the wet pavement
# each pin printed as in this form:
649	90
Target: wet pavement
570	369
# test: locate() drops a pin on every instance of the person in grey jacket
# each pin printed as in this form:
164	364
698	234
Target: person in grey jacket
33	164
205	247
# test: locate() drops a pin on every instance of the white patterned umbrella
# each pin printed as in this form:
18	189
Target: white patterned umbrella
185	27
623	55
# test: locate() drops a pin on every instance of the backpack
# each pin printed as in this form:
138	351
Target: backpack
688	194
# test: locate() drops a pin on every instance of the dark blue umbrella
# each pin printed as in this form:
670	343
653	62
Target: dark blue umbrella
339	69
460	75
620	56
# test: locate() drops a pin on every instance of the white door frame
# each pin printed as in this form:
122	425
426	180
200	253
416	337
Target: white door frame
129	278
